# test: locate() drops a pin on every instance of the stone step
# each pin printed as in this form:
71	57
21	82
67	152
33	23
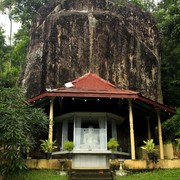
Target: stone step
90	175
91	178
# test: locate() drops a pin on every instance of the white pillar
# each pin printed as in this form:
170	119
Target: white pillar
161	150
131	130
50	135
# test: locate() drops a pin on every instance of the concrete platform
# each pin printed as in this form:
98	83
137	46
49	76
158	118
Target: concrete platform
128	164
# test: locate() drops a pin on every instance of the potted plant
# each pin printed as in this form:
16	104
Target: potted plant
48	146
112	145
69	146
150	149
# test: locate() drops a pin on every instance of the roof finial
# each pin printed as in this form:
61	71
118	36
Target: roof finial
90	71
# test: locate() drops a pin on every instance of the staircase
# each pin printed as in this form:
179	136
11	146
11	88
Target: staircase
91	175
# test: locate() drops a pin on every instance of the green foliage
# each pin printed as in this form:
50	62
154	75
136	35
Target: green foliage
2	37
168	174
8	78
168	21
171	127
20	10
22	32
68	145
47	146
2	48
19	125
149	146
19	52
138	2
168	13
39	175
119	2
9	73
178	142
145	4
112	144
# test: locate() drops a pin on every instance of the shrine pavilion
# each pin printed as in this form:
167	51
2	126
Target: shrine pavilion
90	110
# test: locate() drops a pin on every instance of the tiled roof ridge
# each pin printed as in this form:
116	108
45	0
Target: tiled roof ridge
96	76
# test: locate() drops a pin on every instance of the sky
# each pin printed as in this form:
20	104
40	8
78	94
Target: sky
5	23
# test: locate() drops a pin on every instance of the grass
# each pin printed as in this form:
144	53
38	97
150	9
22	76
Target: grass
38	175
169	174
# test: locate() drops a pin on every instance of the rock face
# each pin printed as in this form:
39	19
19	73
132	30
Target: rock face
69	38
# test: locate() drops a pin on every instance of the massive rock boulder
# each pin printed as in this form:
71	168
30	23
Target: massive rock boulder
69	38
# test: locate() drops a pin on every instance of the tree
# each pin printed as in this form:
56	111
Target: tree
8	76
22	10
19	125
17	54
2	47
21	40
4	59
2	38
171	128
168	21
146	4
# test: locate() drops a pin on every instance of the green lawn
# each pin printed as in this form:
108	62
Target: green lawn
39	175
171	174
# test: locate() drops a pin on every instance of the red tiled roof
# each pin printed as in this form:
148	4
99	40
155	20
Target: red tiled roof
93	82
91	85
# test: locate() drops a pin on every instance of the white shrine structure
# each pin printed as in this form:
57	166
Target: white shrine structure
90	110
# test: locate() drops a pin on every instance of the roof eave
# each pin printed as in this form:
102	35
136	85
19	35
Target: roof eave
102	94
157	105
86	94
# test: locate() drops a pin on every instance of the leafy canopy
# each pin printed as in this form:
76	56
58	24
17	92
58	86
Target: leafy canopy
22	10
168	21
19	126
171	127
9	74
